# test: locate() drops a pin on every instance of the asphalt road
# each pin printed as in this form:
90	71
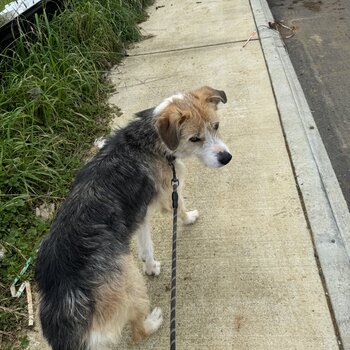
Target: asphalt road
320	53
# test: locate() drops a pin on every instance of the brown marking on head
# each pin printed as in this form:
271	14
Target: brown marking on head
187	116
209	95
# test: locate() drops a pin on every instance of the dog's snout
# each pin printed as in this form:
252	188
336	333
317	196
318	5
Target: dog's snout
224	157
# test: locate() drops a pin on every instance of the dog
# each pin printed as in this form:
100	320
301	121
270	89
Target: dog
89	285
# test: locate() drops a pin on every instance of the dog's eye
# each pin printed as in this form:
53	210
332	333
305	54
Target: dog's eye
216	126
195	139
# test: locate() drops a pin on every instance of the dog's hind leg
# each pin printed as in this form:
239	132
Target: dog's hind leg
145	247
143	322
121	300
143	326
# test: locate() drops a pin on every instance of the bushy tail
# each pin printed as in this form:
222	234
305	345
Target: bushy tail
65	318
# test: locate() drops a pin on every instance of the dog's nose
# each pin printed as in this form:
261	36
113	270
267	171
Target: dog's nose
224	157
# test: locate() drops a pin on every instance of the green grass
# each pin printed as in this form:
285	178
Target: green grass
52	106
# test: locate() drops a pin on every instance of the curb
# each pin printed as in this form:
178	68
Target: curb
325	206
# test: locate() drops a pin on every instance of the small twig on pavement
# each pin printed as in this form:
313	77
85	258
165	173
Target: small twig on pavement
252	35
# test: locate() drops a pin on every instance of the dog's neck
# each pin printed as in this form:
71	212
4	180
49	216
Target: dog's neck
170	158
142	133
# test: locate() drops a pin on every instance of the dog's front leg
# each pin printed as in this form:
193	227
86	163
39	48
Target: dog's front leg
145	247
187	217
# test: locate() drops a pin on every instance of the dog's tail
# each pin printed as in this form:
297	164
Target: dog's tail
66	319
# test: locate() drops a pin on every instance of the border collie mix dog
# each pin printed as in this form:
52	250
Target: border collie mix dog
88	283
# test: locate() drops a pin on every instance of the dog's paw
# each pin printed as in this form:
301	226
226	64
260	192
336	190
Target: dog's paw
152	268
191	217
153	320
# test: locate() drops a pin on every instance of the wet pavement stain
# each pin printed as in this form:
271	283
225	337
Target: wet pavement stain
313	5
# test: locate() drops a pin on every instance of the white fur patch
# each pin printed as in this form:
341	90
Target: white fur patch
191	217
153	320
167	102
151	268
100	142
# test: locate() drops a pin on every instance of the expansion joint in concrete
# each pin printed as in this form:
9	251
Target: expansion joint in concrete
192	47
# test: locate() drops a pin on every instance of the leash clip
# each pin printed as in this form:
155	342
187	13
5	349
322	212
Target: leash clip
175	183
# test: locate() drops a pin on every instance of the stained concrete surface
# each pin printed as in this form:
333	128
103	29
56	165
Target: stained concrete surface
320	53
247	277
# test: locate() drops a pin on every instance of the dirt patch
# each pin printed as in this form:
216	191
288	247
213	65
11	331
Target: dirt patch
313	5
238	322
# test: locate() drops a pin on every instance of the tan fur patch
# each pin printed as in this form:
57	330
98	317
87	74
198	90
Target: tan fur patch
122	299
138	330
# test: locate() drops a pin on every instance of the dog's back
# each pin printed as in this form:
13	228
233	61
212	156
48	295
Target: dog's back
89	239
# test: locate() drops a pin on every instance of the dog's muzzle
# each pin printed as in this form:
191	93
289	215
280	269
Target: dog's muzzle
224	157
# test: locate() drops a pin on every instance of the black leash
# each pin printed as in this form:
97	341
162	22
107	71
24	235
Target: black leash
175	200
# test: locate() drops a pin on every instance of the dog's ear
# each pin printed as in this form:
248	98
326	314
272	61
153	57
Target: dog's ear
217	96
168	126
210	95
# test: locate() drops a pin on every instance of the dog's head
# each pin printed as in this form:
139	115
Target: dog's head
188	125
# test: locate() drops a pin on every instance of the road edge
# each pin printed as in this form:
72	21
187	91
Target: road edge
326	208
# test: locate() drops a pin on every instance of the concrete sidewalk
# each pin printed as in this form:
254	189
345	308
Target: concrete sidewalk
247	276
